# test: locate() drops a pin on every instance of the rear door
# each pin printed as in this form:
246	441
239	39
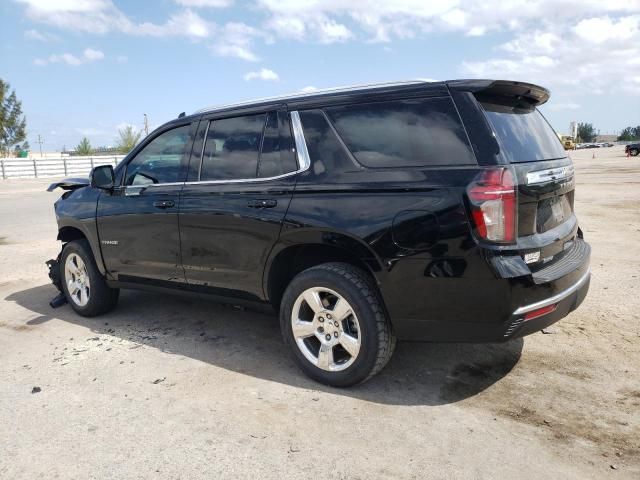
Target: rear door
138	221
242	176
544	173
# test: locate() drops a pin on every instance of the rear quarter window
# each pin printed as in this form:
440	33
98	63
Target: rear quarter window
403	133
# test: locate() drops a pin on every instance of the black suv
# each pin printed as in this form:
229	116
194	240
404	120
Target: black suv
419	211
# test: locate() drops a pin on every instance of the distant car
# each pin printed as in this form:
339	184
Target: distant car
568	142
632	149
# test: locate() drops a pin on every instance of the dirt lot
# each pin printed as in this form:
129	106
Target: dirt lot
178	388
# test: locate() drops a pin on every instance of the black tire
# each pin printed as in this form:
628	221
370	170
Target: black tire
102	298
359	290
634	151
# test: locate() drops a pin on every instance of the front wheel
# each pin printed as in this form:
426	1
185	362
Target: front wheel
634	152
334	322
83	284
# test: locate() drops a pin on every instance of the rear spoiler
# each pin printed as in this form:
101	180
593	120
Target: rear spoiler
532	94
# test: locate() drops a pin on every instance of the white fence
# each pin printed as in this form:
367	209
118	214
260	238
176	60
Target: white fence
54	167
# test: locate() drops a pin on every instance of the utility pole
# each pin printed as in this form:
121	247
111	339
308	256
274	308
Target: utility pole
40	142
146	125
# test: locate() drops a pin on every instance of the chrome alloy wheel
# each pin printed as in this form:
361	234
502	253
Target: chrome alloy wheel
77	277
326	329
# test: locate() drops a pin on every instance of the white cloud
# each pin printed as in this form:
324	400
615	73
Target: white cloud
205	3
88	55
235	40
384	20
309	89
92	16
600	30
476	31
262	74
580	44
562	106
122	59
39	36
186	23
331	31
586	55
102	16
91	55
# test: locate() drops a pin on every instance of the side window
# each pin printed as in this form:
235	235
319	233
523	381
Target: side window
232	147
405	133
161	160
324	147
274	159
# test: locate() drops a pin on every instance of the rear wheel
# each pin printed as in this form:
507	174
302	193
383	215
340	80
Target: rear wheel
83	284
634	151
333	320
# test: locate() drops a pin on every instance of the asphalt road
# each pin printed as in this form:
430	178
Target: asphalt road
167	387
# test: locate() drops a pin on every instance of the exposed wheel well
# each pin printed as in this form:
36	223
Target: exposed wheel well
293	260
68	234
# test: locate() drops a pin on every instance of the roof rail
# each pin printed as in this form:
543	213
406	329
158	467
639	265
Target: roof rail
299	95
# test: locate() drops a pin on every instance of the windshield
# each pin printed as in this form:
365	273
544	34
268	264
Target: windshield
523	133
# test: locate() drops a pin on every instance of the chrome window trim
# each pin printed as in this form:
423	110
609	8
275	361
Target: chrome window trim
550	174
204	144
556	298
218	182
302	154
302	157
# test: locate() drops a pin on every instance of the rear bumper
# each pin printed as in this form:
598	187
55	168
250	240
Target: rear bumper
565	302
508	307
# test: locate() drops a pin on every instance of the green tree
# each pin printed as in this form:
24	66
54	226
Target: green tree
129	138
586	132
630	133
84	147
13	124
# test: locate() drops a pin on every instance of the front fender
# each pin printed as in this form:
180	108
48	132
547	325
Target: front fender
77	210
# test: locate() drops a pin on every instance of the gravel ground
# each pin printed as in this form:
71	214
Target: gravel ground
180	388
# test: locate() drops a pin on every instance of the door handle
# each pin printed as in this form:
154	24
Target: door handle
262	203
164	204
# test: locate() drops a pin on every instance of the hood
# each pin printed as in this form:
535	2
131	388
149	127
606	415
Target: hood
69	184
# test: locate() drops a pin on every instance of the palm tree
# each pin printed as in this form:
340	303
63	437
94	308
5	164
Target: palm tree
129	138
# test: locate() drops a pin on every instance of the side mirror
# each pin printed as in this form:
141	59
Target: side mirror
103	177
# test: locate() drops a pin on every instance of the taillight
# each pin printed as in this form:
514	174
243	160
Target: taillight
492	195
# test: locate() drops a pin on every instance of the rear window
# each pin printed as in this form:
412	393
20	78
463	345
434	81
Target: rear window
232	147
404	133
524	134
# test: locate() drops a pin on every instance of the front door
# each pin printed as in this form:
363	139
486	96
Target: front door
232	211
138	221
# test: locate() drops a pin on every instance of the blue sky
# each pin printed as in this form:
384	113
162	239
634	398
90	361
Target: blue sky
88	67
